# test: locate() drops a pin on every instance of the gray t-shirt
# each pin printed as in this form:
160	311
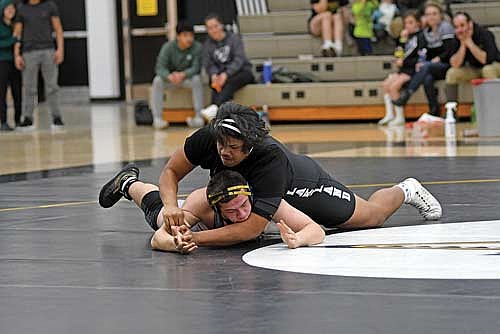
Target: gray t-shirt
37	25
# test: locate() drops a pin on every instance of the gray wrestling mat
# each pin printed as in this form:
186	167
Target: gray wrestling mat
69	266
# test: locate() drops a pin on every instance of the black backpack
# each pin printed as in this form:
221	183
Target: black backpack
142	113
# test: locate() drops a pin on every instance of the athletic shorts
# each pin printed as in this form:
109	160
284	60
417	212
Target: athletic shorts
327	202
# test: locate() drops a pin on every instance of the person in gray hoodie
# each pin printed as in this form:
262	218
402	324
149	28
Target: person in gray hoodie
225	62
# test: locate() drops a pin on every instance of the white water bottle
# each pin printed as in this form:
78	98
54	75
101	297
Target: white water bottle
450	122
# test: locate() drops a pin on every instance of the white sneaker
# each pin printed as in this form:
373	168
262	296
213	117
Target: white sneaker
396	122
209	112
160	124
195	122
385	120
428	118
422	199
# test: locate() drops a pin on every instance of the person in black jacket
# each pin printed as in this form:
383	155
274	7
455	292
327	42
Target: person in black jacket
439	36
475	55
411	41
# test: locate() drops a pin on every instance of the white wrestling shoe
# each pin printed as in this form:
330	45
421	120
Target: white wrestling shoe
419	197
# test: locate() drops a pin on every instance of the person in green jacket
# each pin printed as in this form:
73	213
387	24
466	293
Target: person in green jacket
178	65
362	11
9	75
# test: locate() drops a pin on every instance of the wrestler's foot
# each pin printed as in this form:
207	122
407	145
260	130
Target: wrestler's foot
419	197
112	191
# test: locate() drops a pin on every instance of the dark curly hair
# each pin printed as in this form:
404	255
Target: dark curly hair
240	122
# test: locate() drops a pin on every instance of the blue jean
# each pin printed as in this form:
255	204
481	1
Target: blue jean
364	46
428	73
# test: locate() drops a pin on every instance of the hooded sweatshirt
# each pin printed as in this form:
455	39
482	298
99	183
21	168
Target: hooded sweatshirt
7	41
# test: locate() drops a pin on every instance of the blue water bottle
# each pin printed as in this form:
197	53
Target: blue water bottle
267	72
422	55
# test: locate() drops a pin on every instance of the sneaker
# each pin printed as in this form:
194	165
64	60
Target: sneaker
195	122
27	124
398	121
112	191
57	123
5	127
160	124
404	96
422	199
209	112
386	119
328	52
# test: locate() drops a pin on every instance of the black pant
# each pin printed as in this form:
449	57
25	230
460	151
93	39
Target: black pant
428	73
10	76
233	83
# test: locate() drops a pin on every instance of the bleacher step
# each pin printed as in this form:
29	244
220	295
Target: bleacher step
484	13
279	5
287	22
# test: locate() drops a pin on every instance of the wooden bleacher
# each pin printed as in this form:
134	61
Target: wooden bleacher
350	87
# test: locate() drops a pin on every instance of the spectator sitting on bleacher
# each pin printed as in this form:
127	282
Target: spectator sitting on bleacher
226	64
178	65
382	18
411	41
362	11
475	55
439	36
326	22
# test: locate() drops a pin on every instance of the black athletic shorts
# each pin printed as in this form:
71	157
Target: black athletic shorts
151	206
328	202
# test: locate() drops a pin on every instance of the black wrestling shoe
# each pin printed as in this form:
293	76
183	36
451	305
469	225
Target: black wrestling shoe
112	191
404	96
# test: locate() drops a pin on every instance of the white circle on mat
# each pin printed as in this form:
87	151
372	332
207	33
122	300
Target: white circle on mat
469	250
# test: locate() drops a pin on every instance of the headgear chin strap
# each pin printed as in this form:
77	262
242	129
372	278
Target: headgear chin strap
215	198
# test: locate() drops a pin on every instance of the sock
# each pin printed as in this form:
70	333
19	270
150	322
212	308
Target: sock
327	43
388	106
125	185
400	114
408	189
338	47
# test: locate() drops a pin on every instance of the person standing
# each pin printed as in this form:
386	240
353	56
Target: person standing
36	20
363	24
178	65
9	75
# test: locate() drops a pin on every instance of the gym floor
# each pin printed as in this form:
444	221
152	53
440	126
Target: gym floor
69	266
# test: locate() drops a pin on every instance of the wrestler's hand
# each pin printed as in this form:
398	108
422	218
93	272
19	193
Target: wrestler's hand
173	216
288	236
183	239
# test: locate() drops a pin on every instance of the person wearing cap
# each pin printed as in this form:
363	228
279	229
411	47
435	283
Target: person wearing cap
226	200
178	65
236	139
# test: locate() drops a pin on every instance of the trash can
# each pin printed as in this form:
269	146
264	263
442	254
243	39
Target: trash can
487	103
